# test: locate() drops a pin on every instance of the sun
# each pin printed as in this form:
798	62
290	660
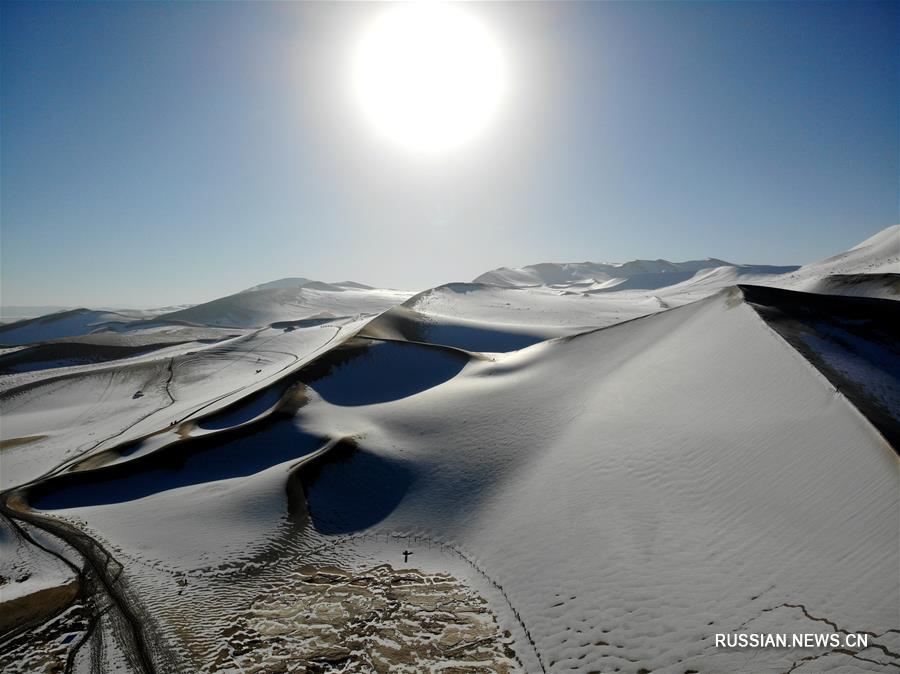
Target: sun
428	76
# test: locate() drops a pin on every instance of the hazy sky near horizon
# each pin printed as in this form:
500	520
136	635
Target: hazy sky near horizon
157	153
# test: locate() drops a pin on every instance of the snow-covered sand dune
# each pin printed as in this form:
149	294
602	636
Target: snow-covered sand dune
632	288
668	499
879	254
269	303
469	334
61	324
105	346
637	489
532	308
70	412
292	299
617	475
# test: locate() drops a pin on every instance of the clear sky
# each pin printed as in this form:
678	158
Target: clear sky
157	153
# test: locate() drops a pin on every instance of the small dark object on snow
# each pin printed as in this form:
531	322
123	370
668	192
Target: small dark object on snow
406	554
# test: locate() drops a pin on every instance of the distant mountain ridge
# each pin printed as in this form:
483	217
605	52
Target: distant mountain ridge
556	273
878	254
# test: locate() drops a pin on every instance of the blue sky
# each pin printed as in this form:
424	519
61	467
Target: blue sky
157	153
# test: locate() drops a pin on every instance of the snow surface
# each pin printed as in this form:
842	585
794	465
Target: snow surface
629	510
698	471
621	474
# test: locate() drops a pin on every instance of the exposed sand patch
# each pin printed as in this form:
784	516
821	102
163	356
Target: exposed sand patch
325	618
36	605
18	442
46	648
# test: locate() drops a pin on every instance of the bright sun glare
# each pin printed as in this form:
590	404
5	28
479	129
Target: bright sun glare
428	76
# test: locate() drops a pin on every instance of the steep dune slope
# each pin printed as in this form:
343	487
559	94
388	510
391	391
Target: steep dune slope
879	254
886	286
629	486
854	341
